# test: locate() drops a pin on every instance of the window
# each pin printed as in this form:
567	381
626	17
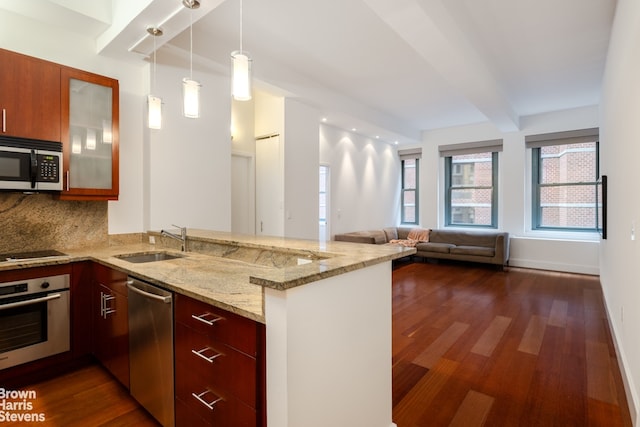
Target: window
471	183
566	194
409	207
471	189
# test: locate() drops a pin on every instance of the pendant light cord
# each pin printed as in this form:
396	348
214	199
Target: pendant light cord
240	26
191	44
154	64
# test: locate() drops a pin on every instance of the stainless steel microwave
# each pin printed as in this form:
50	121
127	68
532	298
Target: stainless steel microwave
30	165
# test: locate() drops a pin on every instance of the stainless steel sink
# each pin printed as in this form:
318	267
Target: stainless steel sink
143	257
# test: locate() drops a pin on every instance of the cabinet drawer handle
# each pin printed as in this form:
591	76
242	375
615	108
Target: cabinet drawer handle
202	319
209	405
200	353
4	120
105	310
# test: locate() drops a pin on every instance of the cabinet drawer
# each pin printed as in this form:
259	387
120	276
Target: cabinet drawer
185	417
199	396
220	325
220	365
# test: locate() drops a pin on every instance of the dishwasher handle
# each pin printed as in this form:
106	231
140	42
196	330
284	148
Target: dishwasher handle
164	299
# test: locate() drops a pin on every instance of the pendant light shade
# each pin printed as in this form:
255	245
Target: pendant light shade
155	112
241	79
190	98
190	87
241	71
154	103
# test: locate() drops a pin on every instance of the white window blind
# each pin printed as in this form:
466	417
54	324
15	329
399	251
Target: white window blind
492	146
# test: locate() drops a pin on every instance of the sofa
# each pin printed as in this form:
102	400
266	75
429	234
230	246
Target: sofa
490	247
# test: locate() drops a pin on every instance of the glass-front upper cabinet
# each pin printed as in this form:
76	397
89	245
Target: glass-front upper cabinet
89	136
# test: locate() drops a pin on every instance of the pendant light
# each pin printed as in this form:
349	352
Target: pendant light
154	102
190	87
241	73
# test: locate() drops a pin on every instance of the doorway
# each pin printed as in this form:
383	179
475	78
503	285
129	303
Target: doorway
269	187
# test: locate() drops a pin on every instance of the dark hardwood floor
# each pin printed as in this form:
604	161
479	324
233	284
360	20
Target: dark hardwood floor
87	397
472	346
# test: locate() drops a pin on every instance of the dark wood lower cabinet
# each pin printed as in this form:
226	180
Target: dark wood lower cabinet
111	321
220	357
219	366
81	297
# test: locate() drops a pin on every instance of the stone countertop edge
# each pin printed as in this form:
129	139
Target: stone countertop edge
240	288
280	282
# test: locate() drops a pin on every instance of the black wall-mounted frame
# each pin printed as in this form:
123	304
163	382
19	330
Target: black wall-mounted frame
602	204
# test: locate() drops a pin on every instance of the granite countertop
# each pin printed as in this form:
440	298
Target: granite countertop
231	270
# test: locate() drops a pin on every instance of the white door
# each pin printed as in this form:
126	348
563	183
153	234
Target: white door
242	194
269	187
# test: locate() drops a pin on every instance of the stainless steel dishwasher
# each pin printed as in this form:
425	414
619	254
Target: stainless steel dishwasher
151	349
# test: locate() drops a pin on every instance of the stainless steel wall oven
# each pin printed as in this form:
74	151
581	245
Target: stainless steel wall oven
34	319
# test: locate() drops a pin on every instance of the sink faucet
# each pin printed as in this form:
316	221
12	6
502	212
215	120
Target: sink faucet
182	237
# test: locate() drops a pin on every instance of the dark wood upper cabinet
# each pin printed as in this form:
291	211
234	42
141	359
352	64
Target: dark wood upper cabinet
29	97
90	137
47	101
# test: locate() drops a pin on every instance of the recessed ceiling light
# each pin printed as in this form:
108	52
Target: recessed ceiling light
377	136
353	129
324	119
395	142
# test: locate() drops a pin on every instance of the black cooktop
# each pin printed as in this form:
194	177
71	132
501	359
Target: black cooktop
15	256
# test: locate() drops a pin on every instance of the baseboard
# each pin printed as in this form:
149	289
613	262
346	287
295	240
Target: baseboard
627	379
554	266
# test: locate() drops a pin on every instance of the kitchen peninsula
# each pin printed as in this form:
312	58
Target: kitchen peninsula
326	307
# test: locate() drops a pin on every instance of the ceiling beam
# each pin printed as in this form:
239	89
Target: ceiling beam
430	30
128	35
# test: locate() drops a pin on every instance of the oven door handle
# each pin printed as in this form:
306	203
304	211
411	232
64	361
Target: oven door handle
30	301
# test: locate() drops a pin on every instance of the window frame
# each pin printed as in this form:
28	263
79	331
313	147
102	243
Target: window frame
449	188
536	188
416	191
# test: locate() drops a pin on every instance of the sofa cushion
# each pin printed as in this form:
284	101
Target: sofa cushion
419	235
391	233
473	250
464	238
442	248
355	237
378	236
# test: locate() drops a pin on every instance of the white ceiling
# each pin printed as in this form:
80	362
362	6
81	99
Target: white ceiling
388	67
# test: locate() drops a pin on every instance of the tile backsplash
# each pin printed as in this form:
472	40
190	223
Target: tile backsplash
30	222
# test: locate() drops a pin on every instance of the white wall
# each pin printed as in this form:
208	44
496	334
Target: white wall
64	47
301	174
243	164
189	173
365	181
620	147
571	252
